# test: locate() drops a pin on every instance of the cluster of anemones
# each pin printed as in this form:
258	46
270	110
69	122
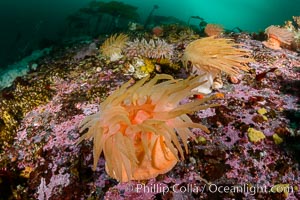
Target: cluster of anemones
137	127
156	49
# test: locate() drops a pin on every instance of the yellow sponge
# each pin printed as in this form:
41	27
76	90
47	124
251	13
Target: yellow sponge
277	139
255	135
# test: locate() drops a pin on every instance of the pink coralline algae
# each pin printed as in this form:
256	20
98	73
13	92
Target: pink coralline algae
45	190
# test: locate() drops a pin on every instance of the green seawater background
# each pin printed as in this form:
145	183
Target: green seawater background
23	22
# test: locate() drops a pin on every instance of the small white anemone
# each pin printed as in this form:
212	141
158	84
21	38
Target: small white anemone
115	57
205	88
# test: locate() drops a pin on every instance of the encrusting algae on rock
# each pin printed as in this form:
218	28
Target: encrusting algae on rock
137	127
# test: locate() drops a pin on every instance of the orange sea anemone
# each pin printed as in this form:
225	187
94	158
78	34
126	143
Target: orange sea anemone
212	55
278	37
158	31
137	127
213	29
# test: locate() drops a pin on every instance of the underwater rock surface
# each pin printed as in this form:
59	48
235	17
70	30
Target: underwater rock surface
251	152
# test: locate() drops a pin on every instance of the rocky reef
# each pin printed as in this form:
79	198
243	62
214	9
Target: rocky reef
251	152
